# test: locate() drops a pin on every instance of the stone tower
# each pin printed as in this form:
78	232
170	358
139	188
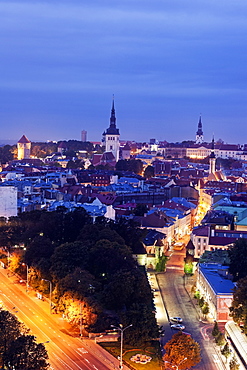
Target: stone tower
24	148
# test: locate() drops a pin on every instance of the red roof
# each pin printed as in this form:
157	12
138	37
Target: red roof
24	140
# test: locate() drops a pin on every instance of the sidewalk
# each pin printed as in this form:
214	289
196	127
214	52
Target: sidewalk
188	286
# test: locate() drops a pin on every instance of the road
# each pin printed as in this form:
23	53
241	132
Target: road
65	351
172	298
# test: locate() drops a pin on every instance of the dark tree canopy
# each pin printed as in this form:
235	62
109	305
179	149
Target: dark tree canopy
18	350
131	165
148	172
6	154
26	354
81	282
239	303
143	322
10	329
140	209
86	261
238	259
66	258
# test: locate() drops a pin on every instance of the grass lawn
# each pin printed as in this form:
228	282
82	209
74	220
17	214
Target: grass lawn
152	350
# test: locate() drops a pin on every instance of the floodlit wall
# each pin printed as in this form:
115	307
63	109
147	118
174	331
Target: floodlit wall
8	201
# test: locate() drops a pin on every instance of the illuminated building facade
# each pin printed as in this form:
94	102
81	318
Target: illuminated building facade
111	136
24	148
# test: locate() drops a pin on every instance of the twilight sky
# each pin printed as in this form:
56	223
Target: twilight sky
166	62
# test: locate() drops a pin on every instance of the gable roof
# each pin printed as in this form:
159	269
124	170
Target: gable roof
24	140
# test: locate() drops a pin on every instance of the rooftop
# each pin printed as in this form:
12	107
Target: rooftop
219	283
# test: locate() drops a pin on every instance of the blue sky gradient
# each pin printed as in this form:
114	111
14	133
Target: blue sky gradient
166	62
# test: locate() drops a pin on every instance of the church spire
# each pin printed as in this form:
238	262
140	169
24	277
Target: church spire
212	155
199	132
112	129
113	116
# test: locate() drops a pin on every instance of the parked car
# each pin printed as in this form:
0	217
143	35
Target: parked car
176	319
178	326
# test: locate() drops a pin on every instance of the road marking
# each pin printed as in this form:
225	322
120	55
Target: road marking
64	363
204	333
215	358
87	360
82	350
95	367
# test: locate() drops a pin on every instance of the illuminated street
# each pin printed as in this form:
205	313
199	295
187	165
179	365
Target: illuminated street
172	299
65	351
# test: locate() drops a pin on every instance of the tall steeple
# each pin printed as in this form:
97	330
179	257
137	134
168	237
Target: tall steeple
199	132
212	159
113	115
111	135
112	129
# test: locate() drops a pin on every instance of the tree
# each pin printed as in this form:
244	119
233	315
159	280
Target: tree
10	329
234	365
148	172
226	351
40	247
105	258
238	259
80	282
132	165
66	258
201	302
6	154
75	164
205	309
144	327
238	309
215	330
220	339
120	290
182	351
140	209
161	264
25	354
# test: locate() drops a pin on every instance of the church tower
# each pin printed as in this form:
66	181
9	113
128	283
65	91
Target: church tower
212	160
24	148
199	132
111	135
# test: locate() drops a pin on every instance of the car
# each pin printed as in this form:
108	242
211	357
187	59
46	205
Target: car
178	326
176	319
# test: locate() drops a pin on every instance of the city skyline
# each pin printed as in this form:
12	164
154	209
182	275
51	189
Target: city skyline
166	64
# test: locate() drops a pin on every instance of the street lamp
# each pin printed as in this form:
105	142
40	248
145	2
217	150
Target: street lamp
80	320
50	293
8	257
121	329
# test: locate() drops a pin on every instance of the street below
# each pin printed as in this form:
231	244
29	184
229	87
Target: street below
173	299
65	351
